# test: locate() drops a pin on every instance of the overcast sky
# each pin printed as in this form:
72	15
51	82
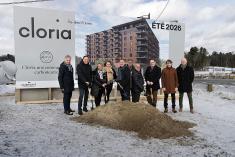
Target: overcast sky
209	23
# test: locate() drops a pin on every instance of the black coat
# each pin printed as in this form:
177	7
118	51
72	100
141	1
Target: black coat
185	78
97	82
65	78
153	75
137	81
124	77
84	72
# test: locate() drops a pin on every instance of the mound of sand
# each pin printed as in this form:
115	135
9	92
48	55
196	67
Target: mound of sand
141	118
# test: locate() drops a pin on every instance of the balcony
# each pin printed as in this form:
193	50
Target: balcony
138	56
105	37
140	31
116	31
142	51
142	44
142	60
117	48
116	36
141	26
139	37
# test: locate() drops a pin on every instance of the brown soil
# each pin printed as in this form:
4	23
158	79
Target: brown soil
141	118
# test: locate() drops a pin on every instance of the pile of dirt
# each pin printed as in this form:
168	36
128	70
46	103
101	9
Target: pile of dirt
141	118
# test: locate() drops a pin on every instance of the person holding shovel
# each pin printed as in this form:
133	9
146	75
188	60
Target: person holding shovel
123	80
137	83
152	76
99	82
84	72
111	76
169	85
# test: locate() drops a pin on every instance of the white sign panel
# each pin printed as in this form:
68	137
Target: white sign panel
176	39
177	43
42	39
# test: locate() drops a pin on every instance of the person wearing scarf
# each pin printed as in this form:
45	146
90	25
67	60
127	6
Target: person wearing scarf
98	84
66	83
111	76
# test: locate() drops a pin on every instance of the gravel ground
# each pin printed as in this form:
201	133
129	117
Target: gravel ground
43	130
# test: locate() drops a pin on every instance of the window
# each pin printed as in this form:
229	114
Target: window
125	50
124	38
130	37
130	54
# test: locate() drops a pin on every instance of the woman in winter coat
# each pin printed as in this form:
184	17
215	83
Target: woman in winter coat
137	83
169	85
111	76
98	84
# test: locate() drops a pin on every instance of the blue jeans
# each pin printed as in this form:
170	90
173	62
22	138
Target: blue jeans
83	93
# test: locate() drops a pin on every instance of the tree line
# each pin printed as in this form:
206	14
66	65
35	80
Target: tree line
200	57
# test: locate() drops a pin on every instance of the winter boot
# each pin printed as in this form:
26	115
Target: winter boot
68	113
85	109
166	110
70	110
154	105
191	110
174	110
80	112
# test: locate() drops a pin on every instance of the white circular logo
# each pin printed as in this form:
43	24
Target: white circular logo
46	57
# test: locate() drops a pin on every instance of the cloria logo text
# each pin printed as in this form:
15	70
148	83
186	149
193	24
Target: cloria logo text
43	33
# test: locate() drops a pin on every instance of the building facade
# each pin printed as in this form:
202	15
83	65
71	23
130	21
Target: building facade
129	41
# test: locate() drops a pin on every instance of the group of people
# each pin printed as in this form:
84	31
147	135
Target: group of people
130	82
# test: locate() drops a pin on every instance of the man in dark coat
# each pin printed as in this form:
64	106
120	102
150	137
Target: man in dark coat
84	72
98	84
123	79
152	76
137	83
66	83
132	68
185	75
